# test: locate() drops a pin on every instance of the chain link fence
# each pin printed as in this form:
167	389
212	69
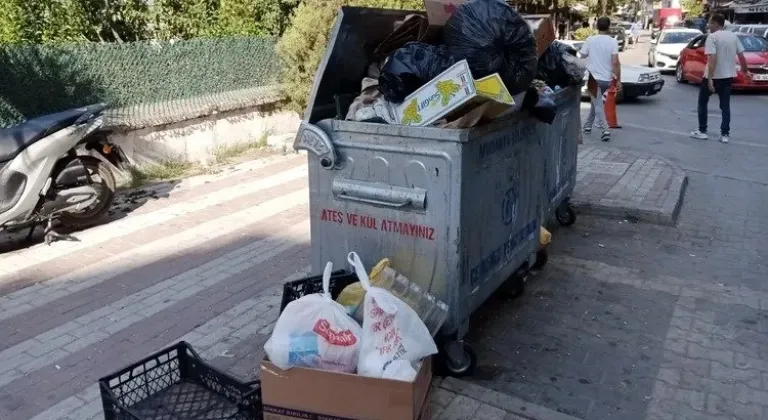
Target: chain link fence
143	83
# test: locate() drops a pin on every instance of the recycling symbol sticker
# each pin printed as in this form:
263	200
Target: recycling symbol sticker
509	207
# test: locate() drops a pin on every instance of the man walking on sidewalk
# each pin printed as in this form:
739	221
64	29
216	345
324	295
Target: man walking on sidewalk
602	53
722	48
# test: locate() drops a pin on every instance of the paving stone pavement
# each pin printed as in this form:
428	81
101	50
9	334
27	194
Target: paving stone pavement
621	184
204	260
201	260
640	321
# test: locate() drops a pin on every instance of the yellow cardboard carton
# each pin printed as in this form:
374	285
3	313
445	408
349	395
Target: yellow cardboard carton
452	94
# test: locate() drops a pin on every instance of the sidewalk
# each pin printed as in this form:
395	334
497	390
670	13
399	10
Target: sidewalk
202	260
626	185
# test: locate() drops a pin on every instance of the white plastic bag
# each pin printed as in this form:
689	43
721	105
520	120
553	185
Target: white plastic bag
392	332
315	332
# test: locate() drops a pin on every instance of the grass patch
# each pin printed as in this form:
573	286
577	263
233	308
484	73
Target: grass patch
225	153
169	169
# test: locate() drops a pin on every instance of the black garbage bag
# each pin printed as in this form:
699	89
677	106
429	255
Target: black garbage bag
541	106
493	38
410	68
556	69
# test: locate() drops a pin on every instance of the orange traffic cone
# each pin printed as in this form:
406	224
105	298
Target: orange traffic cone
610	106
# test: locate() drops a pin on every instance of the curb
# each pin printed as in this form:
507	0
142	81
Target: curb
507	403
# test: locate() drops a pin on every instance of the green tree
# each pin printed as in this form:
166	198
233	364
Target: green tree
303	45
693	8
10	22
254	17
116	20
41	22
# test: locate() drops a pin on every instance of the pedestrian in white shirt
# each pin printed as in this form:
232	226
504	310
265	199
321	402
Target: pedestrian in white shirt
602	54
635	31
722	48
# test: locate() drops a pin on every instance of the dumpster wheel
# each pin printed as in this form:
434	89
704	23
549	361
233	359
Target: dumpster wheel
459	359
565	214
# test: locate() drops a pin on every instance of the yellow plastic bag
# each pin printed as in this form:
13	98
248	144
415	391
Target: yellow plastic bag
545	238
352	296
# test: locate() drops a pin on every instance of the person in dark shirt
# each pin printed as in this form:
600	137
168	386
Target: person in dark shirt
561	28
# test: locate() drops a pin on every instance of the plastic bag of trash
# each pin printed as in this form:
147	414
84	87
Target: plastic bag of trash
392	332
411	67
493	38
559	66
315	332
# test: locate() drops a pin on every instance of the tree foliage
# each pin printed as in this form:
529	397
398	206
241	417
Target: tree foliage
693	8
46	21
303	45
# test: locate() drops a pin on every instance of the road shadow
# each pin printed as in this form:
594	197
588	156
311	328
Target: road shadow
126	202
159	327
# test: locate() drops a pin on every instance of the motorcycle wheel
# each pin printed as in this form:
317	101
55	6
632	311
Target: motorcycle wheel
104	182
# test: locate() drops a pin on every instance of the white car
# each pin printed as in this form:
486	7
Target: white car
636	81
666	48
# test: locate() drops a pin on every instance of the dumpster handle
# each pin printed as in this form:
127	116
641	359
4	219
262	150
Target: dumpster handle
343	196
379	194
313	139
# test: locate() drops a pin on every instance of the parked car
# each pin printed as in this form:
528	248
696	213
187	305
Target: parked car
620	35
732	27
761	30
627	30
636	81
665	50
690	66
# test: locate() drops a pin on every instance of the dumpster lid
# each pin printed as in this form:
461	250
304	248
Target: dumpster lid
356	33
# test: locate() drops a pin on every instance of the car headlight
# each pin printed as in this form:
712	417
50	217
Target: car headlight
672	56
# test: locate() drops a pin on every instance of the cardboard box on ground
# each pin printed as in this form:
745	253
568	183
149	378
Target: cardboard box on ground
301	393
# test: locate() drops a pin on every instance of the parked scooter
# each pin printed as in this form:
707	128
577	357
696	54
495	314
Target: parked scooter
56	168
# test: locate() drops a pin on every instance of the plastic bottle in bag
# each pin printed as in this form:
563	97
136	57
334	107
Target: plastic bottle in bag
393	335
431	310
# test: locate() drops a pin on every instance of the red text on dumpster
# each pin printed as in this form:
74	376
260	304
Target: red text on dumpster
413	230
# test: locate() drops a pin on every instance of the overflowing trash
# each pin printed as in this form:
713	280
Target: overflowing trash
461	69
410	68
493	38
559	66
388	339
452	212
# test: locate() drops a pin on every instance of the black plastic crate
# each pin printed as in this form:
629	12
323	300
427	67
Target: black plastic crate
306	286
175	383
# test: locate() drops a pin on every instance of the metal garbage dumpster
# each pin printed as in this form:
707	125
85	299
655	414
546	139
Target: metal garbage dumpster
560	143
456	211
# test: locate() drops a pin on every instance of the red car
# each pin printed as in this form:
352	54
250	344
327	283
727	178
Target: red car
690	66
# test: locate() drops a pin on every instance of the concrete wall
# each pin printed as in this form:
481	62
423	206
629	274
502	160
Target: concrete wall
198	139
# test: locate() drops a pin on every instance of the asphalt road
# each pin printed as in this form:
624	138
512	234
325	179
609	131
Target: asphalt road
637	321
660	125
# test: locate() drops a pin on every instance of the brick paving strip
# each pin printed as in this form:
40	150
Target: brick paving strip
627	185
209	272
104	233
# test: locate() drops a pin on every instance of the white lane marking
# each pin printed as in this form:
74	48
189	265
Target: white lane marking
47	291
100	324
101	234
